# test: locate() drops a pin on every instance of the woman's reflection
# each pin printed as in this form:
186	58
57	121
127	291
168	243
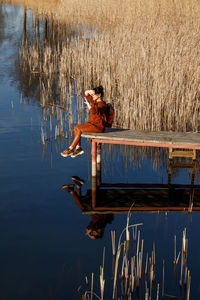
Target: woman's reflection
95	228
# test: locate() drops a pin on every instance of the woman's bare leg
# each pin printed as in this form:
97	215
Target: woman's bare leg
87	127
77	138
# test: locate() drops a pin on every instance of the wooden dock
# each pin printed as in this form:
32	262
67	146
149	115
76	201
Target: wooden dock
171	140
185	140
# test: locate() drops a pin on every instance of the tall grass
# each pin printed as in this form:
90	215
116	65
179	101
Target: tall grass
145	53
131	280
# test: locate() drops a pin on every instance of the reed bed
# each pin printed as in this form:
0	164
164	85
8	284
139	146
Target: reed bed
135	277
146	57
111	12
145	53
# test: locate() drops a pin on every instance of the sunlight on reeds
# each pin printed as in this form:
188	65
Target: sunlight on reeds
131	280
145	53
146	57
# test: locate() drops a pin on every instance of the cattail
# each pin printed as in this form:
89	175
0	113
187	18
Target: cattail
113	241
147	294
175	249
138	243
141	257
184	241
186	274
86	281
115	273
163	279
146	265
132	273
102	282
157	295
188	285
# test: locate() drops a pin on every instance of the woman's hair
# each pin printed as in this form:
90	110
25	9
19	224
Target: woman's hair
99	90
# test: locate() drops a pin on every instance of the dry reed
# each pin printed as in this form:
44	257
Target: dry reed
146	57
132	271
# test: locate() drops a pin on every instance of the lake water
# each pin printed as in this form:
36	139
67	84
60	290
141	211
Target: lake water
44	252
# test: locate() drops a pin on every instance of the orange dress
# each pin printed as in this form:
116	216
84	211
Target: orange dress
97	113
96	122
97	119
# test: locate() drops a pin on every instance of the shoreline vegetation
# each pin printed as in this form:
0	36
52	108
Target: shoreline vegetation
134	277
145	53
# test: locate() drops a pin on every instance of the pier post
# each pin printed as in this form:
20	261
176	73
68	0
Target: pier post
94	192
94	158
98	164
94	173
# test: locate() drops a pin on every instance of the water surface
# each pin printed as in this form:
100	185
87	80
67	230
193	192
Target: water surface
44	252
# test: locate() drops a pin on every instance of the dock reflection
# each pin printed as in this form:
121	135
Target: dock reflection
104	200
146	197
141	197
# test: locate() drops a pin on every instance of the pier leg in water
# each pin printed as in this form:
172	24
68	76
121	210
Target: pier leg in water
94	158
98	164
94	172
94	192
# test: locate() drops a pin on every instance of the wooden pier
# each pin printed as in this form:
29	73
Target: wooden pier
170	140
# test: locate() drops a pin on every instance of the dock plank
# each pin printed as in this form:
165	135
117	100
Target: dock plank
143	138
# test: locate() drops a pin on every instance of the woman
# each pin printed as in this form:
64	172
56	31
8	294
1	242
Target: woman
96	122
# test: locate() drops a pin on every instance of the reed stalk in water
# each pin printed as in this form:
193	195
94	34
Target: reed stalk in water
132	270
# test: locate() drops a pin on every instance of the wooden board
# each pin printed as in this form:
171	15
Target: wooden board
187	140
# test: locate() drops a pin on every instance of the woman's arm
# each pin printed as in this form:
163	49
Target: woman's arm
89	98
87	103
89	92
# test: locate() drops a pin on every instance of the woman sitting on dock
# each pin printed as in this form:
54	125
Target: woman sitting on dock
96	122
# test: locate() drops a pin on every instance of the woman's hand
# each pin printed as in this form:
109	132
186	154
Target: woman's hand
89	92
87	103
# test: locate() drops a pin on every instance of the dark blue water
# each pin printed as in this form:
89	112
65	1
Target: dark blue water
44	253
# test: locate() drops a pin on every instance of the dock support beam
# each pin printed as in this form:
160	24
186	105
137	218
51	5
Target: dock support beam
94	158
98	164
96	170
94	173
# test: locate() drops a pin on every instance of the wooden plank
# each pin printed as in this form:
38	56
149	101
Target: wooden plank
122	210
185	140
182	153
151	185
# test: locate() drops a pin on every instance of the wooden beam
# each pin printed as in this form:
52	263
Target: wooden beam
94	158
145	143
183	140
181	153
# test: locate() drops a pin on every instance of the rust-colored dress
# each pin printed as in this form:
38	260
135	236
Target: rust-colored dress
97	120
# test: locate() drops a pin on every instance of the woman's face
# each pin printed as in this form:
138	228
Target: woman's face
96	96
